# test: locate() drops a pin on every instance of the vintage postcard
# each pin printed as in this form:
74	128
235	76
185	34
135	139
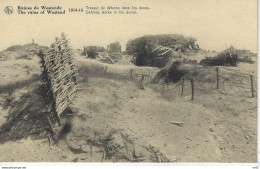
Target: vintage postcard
132	81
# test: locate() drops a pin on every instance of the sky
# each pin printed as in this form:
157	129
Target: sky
213	22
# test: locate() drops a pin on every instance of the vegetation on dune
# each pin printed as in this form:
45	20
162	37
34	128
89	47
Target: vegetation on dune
14	48
92	51
10	87
22	51
222	59
114	47
156	50
229	57
174	41
25	56
189	61
173	73
28	47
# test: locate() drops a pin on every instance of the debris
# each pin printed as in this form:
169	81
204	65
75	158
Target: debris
253	108
75	160
188	138
140	85
177	123
107	55
70	114
49	139
159	157
76	150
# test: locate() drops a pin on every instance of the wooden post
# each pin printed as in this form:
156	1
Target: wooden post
192	88
167	76
142	77
91	150
131	73
252	87
182	85
49	121
217	78
104	156
110	59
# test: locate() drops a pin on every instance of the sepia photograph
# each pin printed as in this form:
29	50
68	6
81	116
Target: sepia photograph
128	81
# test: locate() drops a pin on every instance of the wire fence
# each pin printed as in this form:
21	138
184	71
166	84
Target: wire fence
194	83
214	80
140	74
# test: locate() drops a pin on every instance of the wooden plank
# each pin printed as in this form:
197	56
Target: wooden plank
60	99
49	121
67	73
60	75
61	103
61	109
63	95
62	82
110	58
74	89
252	85
155	49
60	86
51	51
56	86
165	52
177	122
61	42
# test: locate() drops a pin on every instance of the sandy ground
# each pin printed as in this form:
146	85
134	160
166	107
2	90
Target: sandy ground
208	135
222	128
14	70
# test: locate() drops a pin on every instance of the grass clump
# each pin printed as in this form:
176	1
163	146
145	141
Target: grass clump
9	88
222	59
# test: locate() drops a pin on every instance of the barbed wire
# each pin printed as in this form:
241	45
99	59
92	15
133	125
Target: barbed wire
206	81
